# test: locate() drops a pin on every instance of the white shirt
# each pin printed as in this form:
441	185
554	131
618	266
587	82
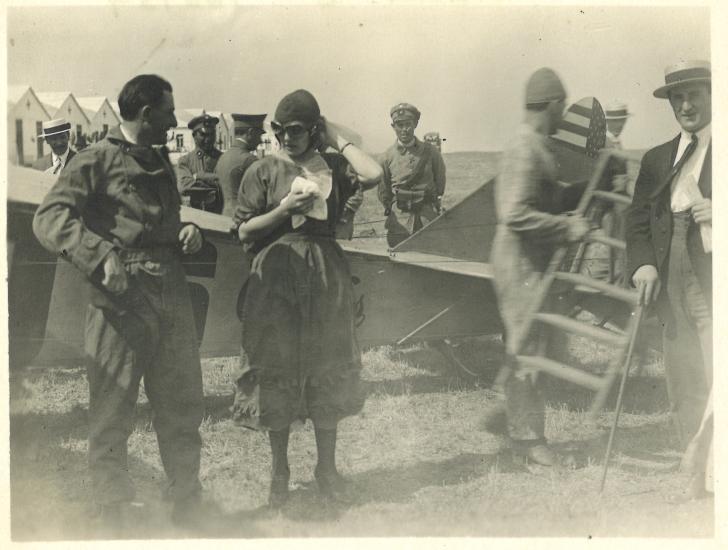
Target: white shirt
613	142
685	190
55	159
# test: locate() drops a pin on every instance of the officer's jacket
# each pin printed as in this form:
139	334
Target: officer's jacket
111	195
195	162
649	220
230	169
400	170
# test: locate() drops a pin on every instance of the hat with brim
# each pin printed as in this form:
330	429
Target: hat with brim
404	111
243	122
680	74
616	111
54	127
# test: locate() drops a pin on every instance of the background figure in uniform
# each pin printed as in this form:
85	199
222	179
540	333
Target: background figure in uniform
57	134
531	225
345	227
115	215
669	242
231	166
413	180
300	355
196	178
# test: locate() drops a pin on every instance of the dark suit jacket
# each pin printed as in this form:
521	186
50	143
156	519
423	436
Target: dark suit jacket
43	163
649	221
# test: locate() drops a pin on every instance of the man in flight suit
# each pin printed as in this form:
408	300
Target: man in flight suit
114	213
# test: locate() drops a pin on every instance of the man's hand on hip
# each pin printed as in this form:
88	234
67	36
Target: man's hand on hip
114	274
191	239
647	282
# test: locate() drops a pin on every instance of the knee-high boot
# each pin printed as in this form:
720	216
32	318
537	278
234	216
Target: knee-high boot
280	472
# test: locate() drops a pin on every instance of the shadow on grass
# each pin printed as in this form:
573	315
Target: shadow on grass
390	485
642	395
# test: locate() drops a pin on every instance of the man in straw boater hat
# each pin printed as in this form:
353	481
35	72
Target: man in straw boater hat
248	130
57	134
616	113
531	225
669	248
196	176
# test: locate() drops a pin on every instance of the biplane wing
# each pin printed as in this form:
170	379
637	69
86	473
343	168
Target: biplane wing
436	284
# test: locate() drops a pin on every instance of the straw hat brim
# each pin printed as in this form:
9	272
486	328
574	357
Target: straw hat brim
662	91
46	134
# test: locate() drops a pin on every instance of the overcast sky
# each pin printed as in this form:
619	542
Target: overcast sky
464	67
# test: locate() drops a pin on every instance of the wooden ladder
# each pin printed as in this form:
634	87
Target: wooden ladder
558	280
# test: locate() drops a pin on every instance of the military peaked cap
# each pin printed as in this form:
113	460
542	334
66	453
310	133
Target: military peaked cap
202	120
403	111
248	121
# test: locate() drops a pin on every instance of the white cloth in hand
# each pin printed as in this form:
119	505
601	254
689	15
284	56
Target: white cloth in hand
319	210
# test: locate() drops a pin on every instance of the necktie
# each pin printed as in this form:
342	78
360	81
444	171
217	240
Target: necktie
689	150
58	165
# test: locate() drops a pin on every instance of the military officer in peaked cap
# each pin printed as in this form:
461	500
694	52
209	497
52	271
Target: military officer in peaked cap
196	176
248	130
413	180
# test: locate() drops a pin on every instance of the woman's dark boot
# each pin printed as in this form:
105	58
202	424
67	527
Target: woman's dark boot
280	474
331	484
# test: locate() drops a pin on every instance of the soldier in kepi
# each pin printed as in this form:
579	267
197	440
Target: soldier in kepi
196	178
413	180
114	213
248	130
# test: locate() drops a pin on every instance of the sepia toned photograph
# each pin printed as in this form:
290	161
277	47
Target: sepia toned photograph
360	270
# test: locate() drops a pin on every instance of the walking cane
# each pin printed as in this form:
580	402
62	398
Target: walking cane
622	384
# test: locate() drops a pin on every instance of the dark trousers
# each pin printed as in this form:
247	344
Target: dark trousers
168	361
687	338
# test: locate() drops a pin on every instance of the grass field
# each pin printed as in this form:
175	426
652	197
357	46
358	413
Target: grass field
417	458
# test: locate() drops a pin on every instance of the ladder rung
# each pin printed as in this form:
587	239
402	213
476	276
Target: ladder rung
594	237
583	329
613	197
559	370
619	293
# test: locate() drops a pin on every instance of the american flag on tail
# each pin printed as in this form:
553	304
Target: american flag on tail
584	127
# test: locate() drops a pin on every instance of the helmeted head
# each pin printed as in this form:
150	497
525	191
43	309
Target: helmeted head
405	118
688	87
546	93
296	122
